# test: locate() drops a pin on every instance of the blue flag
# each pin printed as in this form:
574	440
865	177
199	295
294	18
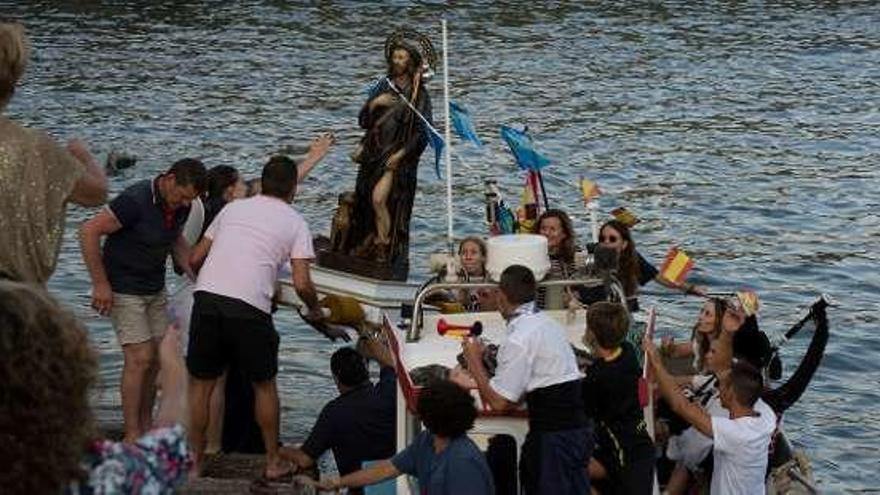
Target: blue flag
521	147
436	142
461	122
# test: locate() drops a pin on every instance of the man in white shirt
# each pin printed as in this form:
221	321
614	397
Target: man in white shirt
537	363
741	440
243	250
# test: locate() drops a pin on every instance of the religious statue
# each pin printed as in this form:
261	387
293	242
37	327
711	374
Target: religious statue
371	229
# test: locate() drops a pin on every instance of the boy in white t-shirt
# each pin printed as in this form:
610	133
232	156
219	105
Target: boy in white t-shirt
243	250
740	441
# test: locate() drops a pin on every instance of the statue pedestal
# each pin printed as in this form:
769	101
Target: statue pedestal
370	268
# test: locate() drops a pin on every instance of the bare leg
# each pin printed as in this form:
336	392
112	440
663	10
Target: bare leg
137	360
266	410
381	191
215	416
173	379
199	395
148	397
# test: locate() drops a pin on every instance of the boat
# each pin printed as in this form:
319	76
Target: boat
419	338
415	333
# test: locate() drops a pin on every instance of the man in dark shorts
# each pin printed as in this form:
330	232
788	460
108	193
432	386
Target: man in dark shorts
243	250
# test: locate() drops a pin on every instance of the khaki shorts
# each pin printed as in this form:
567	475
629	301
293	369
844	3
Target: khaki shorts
138	319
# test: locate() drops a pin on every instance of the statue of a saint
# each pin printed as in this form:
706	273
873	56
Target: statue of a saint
394	118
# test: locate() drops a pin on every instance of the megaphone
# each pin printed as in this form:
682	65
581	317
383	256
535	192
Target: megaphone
444	327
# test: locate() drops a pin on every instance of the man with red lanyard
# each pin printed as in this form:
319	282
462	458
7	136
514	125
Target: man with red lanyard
142	226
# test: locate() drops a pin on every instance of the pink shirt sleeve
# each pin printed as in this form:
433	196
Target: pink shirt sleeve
211	231
302	248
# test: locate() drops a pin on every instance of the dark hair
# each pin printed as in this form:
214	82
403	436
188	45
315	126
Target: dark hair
189	172
751	344
567	248
608	322
746	381
446	409
45	374
627	262
415	58
279	177
704	339
219	179
518	284
348	366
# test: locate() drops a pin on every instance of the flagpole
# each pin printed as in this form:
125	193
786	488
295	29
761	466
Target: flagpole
447	149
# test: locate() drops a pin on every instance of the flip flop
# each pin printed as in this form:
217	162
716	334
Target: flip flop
287	477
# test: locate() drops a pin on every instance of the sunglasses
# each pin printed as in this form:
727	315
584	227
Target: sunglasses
610	238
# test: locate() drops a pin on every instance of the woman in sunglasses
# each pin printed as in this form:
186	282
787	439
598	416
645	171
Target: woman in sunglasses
633	270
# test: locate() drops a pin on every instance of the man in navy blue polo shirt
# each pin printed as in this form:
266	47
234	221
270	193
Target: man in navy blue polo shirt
142	226
359	425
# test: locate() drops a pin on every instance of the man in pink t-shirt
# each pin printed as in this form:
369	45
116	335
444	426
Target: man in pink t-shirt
243	250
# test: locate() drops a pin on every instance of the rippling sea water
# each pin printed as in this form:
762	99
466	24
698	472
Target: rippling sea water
746	132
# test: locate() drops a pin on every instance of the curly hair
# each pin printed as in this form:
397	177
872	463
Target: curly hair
45	374
446	409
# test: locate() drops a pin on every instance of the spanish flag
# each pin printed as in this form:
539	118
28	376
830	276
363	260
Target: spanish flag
749	301
624	216
589	189
676	266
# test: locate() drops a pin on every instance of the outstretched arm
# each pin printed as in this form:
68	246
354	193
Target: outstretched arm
305	289
692	413
380	471
317	151
91	188
784	396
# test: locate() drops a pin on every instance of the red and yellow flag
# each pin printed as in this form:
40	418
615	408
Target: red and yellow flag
624	216
676	266
589	189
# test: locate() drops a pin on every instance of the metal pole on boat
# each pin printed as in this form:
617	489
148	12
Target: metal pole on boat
447	137
593	207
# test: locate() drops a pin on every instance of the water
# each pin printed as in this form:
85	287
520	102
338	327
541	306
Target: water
746	132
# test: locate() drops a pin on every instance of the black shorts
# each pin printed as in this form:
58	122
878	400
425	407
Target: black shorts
225	331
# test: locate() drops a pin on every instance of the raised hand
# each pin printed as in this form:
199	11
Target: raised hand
321	145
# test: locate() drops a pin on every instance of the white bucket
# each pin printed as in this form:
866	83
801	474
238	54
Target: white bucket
529	250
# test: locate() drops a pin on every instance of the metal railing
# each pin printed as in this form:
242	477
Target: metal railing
414	332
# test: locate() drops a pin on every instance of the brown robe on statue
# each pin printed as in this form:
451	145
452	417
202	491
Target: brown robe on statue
390	126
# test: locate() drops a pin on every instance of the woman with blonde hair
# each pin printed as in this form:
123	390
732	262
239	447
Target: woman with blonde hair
37	178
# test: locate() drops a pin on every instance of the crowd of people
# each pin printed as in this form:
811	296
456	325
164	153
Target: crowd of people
230	238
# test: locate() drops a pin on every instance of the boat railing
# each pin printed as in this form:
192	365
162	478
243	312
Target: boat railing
415	328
